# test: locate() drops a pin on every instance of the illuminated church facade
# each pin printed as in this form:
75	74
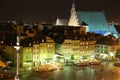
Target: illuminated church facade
96	21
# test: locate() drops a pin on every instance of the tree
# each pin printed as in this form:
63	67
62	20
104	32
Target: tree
72	57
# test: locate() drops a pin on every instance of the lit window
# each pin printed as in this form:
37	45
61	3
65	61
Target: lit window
87	43
26	57
51	45
80	43
86	46
42	40
37	57
48	45
83	43
30	50
30	44
26	50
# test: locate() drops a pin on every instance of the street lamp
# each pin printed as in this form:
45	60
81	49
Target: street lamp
17	47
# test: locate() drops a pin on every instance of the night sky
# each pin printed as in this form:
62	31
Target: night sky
47	10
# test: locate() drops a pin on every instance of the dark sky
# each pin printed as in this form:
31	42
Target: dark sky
47	10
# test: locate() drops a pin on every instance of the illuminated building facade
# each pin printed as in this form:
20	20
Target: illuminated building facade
47	50
96	21
76	48
87	48
27	57
38	54
106	48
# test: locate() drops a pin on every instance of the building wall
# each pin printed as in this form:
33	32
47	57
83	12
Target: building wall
67	49
77	49
87	48
27	57
47	52
38	54
106	51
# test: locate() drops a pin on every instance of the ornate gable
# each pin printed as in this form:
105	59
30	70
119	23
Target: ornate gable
73	21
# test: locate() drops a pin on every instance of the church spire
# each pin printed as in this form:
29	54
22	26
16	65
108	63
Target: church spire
58	16
73	6
58	20
73	21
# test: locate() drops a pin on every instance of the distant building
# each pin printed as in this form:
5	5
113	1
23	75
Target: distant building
117	26
76	49
106	48
113	30
61	22
7	33
96	21
30	32
47	50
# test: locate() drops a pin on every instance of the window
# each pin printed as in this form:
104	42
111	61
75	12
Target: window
86	46
26	50
86	43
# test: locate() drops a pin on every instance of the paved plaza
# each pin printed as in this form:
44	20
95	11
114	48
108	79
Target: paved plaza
105	71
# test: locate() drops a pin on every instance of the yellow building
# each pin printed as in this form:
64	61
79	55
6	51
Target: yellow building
76	49
67	49
36	54
39	53
47	50
87	48
27	56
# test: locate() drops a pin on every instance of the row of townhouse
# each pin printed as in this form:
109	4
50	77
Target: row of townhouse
48	51
69	50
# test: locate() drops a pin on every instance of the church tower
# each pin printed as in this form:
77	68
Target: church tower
58	21
96	21
73	21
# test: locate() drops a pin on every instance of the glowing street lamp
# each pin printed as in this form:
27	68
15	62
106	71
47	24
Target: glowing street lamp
17	47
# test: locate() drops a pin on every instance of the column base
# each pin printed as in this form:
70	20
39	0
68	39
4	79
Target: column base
17	77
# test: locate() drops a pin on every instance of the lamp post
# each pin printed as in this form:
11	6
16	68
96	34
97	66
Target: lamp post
17	47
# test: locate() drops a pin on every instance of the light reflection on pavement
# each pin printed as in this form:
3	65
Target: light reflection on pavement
106	71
